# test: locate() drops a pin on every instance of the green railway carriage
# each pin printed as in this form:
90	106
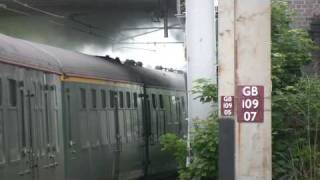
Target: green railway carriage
65	115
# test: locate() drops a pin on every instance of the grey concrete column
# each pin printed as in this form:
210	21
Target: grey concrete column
245	62
200	51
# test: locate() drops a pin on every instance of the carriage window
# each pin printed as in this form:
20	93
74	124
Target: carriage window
161	101
1	129
154	101
112	97
55	95
103	98
83	98
13	92
1	142
121	99
135	100
0	92
2	159
183	103
94	98
128	99
23	126
173	99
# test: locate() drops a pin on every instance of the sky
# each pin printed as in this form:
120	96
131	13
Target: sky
149	48
146	49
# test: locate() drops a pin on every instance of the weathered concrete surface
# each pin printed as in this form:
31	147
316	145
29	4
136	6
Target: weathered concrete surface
201	51
226	58
253	67
226	86
245	59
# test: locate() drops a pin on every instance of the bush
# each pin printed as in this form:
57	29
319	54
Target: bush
204	162
175	146
291	48
294	104
296	131
206	91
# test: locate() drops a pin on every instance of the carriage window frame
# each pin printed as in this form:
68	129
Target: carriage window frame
103	98
112	94
173	100
135	100
94	98
121	99
2	150
13	92
183	103
161	101
1	91
83	98
128	99
23	123
154	102
55	95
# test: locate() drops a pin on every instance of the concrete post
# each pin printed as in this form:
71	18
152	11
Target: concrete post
201	51
226	87
245	49
201	54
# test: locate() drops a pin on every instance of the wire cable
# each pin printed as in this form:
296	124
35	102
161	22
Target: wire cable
38	10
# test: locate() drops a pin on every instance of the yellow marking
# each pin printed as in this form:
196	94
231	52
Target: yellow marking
96	81
82	80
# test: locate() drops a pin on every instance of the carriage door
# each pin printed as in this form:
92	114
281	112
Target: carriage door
18	101
29	154
179	116
48	165
117	145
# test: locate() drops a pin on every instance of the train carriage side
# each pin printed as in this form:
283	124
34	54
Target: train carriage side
31	142
167	115
104	127
68	115
165	99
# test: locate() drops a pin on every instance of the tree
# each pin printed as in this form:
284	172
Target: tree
294	104
291	48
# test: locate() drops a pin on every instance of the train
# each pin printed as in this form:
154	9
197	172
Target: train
70	116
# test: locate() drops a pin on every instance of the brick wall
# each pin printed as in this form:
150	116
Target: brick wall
305	10
307	16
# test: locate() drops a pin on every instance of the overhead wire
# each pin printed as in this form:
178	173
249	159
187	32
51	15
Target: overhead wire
38	10
155	43
135	48
78	29
145	33
3	6
87	25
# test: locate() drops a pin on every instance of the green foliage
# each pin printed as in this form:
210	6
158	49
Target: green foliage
205	90
204	163
177	147
204	142
296	130
295	104
291	48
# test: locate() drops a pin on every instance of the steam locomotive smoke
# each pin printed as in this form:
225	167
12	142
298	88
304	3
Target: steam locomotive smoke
127	34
